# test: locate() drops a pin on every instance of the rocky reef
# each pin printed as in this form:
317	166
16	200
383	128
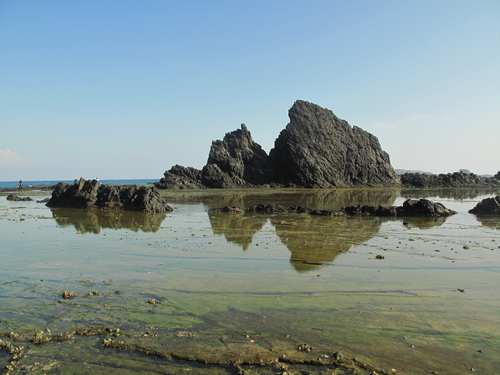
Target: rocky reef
410	208
448	180
488	206
91	193
316	149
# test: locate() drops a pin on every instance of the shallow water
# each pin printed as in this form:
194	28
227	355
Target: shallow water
252	288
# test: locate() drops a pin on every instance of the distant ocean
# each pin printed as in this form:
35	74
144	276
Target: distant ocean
35	183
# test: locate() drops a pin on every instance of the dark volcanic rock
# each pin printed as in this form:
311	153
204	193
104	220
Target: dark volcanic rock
497	176
423	208
488	206
179	177
16	198
317	149
456	179
85	194
410	208
236	161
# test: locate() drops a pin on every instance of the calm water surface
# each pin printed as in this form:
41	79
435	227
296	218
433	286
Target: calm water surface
250	288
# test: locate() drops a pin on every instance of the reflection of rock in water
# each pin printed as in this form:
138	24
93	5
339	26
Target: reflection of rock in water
238	229
313	240
314	199
93	220
489	221
424	222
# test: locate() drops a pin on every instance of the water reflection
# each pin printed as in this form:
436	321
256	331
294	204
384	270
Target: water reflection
490	221
314	240
237	229
311	198
94	220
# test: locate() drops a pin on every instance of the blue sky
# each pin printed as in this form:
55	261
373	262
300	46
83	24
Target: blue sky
125	89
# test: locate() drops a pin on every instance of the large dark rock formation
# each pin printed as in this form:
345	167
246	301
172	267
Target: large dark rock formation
317	149
236	161
86	194
451	180
488	206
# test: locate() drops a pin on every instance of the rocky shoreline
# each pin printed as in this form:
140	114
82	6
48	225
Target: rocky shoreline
91	193
315	150
448	180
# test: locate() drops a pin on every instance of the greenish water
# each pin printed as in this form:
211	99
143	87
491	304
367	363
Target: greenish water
242	292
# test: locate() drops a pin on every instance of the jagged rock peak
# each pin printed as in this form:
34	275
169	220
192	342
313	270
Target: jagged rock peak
236	160
318	149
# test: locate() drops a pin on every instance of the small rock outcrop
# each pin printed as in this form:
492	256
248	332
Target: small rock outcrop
488	206
317	149
90	193
236	161
17	198
497	176
410	208
448	180
179	177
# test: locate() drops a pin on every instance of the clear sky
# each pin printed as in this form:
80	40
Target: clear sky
125	89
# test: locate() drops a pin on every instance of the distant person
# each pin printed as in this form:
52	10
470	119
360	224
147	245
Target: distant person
20	185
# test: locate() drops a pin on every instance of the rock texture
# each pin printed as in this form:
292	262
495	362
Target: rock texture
236	161
17	198
410	208
179	177
86	194
317	149
488	206
497	176
456	179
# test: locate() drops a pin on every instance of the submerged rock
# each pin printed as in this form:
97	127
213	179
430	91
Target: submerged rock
16	198
86	194
488	206
317	149
410	208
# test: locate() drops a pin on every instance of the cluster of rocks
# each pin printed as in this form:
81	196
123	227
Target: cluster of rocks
91	193
451	180
488	206
316	149
410	208
17	198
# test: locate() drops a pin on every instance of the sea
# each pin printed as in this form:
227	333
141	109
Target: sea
35	183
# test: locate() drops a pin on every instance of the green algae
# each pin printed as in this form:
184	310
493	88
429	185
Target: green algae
244	292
